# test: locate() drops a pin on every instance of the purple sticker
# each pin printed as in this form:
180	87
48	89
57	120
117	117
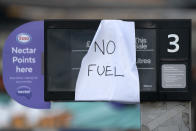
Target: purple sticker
22	65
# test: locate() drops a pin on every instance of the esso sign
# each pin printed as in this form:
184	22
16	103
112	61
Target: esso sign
23	38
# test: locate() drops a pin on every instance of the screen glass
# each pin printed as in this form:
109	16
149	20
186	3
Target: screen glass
65	50
67	47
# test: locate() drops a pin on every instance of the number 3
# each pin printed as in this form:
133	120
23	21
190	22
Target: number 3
174	43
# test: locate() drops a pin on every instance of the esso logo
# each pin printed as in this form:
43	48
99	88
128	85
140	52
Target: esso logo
23	38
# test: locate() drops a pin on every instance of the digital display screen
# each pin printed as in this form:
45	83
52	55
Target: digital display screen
67	47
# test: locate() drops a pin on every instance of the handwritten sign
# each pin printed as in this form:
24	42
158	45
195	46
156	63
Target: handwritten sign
108	71
104	70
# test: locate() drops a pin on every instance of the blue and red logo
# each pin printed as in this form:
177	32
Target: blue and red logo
23	38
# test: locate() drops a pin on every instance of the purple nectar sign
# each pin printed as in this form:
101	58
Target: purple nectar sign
22	65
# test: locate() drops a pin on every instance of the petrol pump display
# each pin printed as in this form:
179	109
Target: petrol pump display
163	57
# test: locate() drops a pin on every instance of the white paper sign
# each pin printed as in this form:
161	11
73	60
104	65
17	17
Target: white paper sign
108	71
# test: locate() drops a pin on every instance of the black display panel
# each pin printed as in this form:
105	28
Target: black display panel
65	56
59	72
146	59
66	43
